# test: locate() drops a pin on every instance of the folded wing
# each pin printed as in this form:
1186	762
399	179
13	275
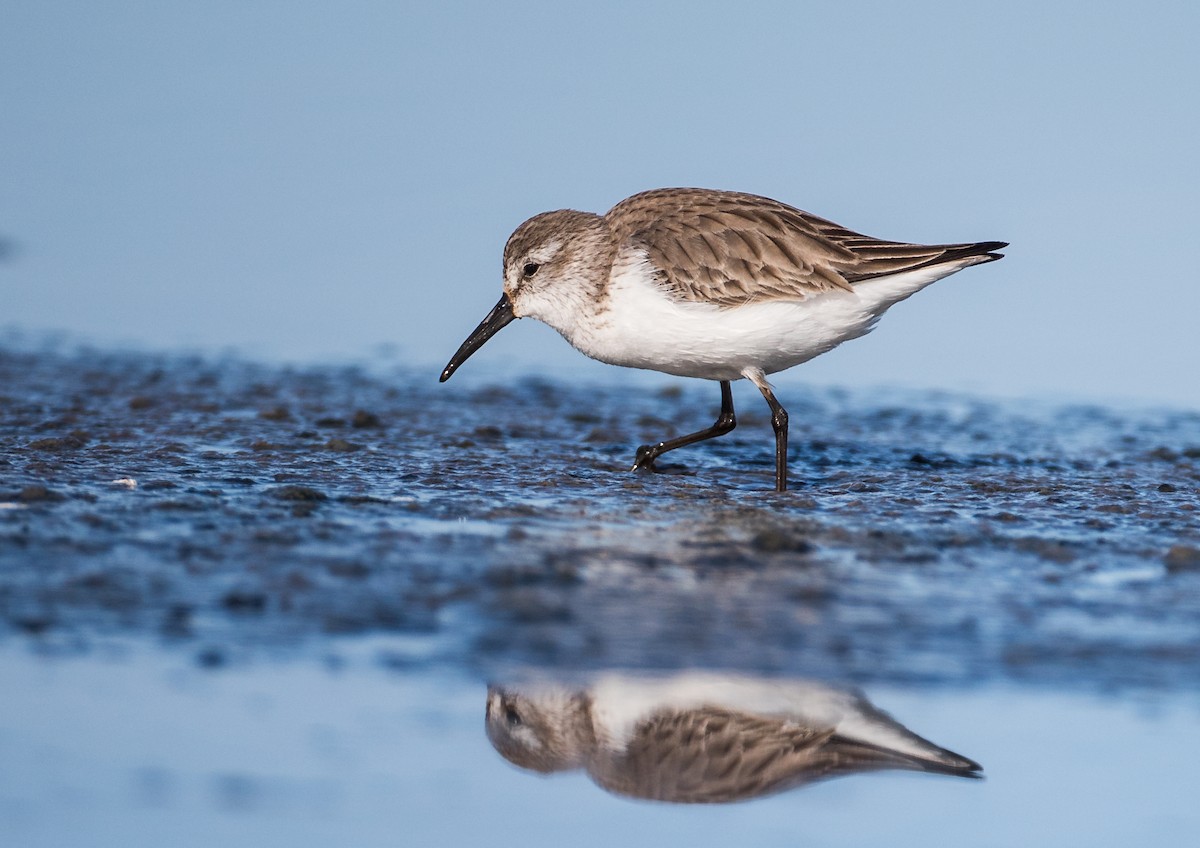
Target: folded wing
731	248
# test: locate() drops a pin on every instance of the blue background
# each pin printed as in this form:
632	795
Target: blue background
326	182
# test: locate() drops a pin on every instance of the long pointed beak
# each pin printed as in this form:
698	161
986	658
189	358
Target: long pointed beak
500	316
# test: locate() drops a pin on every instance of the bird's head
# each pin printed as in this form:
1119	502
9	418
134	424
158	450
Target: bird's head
544	729
553	264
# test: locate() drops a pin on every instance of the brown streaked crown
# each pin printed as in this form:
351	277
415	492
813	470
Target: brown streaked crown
563	243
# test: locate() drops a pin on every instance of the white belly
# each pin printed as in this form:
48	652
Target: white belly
645	328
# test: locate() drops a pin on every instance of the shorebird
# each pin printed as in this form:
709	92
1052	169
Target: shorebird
702	737
712	284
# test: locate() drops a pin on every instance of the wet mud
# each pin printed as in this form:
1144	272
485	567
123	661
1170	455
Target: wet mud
228	508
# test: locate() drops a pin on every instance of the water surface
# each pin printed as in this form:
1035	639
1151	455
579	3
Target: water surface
244	603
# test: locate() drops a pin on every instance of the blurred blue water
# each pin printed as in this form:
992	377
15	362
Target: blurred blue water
133	746
175	666
305	182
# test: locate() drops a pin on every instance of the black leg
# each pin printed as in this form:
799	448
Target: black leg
646	454
779	422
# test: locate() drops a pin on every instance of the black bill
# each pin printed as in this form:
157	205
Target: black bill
500	316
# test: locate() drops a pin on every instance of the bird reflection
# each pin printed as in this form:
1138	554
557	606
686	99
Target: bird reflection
702	737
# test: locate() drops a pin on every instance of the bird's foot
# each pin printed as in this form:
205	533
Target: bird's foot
646	454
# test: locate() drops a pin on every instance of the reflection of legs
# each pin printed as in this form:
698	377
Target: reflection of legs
779	423
646	454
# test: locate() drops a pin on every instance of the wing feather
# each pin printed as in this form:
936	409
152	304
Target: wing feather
716	755
731	248
710	755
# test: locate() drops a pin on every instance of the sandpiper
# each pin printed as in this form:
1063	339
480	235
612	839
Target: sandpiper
704	737
712	284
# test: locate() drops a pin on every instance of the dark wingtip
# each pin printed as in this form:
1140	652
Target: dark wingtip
989	248
957	765
982	249
979	248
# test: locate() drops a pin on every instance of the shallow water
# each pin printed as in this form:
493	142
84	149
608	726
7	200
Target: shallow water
245	601
136	746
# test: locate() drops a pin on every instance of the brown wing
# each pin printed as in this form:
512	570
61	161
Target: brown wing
710	755
713	755
731	248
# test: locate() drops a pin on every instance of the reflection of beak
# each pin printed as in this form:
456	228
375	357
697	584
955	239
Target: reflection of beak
500	316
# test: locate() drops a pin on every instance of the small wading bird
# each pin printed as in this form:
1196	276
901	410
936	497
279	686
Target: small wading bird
712	284
702	737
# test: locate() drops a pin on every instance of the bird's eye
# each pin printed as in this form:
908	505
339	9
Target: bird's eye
530	269
512	716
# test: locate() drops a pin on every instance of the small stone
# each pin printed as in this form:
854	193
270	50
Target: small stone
1182	558
74	441
39	494
275	413
298	493
33	624
243	601
776	540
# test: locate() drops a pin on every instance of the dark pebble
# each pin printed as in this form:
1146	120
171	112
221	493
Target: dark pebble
33	624
1182	558
297	493
774	541
74	441
241	601
275	413
38	494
